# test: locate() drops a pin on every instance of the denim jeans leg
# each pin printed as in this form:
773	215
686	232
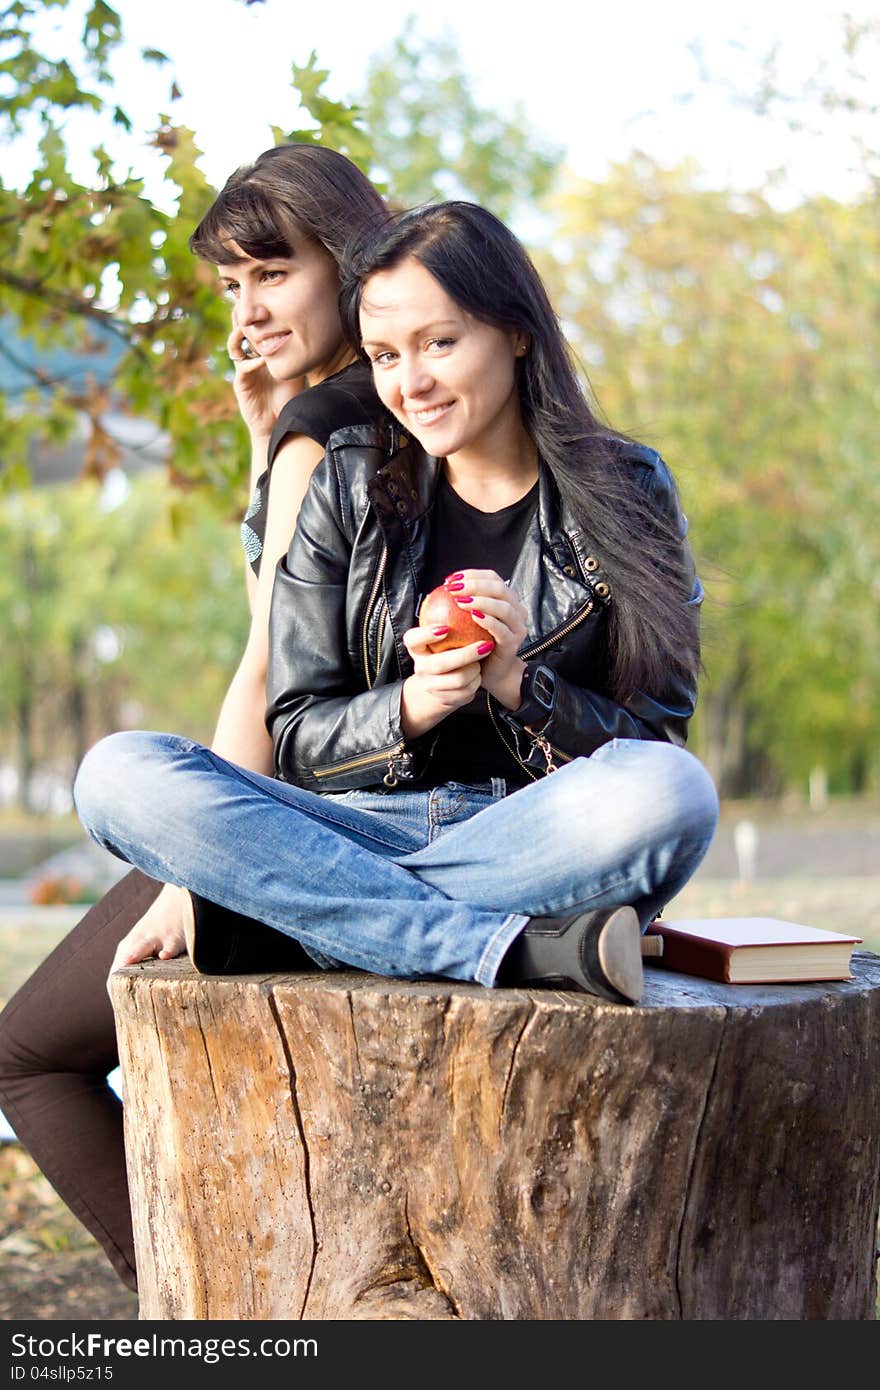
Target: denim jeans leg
628	825
310	866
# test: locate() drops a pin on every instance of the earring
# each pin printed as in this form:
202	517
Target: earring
520	349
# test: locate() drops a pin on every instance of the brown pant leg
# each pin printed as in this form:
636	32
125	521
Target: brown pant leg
57	1046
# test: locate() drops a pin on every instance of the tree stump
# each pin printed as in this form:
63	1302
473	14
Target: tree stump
344	1146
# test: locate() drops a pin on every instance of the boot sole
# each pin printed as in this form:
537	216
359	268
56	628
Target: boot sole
620	953
598	952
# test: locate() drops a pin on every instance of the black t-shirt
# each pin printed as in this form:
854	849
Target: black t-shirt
468	748
347	398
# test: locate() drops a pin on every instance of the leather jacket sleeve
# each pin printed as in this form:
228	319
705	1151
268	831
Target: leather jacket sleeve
582	719
346	736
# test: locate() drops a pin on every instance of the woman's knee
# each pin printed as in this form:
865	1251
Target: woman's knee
122	772
642	783
690	793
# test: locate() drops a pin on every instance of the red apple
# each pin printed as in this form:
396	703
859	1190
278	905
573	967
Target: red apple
439	609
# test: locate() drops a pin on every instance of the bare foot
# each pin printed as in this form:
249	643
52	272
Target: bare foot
160	932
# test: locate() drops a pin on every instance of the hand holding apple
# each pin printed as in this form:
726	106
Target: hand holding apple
499	614
439	609
447	649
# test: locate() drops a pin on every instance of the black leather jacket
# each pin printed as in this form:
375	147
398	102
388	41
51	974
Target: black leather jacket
350	587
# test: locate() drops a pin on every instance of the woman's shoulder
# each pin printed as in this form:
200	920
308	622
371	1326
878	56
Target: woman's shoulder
652	473
348	398
654	480
648	463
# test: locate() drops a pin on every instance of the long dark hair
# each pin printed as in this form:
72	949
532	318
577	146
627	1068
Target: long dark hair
485	269
288	191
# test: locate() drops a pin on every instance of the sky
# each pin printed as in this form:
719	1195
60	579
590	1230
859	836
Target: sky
622	76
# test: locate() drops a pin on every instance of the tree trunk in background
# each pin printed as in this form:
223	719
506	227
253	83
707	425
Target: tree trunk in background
77	710
24	728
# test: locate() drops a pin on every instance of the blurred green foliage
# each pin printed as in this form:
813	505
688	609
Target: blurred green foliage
743	341
737	334
112	618
432	139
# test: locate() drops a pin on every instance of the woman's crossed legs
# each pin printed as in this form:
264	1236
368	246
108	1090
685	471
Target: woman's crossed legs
369	888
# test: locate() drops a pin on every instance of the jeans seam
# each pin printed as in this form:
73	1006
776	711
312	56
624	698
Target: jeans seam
241	775
487	964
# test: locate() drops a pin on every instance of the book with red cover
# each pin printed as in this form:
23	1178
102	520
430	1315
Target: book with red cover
754	950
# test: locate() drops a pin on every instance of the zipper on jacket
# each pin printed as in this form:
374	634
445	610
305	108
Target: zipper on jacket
385	755
563	631
377	584
538	739
380	633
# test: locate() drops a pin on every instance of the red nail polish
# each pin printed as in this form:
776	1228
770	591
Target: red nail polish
465	598
440	631
454	588
460	575
485	648
475	612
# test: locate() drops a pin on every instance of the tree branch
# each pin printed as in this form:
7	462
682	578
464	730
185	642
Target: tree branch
71	304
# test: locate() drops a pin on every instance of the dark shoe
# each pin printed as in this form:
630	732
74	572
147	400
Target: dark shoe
597	952
223	942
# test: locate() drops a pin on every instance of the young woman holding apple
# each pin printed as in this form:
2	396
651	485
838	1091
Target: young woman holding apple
511	811
276	234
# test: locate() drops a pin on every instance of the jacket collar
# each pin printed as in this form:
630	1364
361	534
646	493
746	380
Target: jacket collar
403	488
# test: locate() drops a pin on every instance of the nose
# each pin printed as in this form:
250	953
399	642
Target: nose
249	308
415	379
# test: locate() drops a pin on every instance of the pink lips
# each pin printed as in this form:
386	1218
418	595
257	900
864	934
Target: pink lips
442	408
270	344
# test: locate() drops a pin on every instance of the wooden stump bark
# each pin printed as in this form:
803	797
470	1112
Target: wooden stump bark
344	1146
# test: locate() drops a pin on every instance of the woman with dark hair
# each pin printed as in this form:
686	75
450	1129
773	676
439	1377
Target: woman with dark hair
513	811
276	233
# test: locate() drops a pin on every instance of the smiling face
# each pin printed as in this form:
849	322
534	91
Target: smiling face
287	308
448	377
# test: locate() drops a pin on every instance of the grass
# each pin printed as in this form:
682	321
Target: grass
24	945
25	841
849	905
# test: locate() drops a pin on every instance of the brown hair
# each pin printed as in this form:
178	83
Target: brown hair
600	475
288	191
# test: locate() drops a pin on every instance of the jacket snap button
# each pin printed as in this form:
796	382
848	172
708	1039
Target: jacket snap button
402	441
569	569
392	487
591	563
401	506
602	589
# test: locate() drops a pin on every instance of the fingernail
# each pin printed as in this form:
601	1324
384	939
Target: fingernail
459	575
465	598
484	648
475	612
440	631
454	588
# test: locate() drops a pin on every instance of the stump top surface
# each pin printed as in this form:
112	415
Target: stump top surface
664	989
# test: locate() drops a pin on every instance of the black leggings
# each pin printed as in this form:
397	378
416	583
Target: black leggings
57	1047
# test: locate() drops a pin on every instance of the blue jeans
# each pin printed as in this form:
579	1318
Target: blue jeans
404	883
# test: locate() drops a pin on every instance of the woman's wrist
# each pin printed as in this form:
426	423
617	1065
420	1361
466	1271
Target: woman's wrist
507	690
415	719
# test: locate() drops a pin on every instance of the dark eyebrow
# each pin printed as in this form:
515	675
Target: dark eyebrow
252	266
432	327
